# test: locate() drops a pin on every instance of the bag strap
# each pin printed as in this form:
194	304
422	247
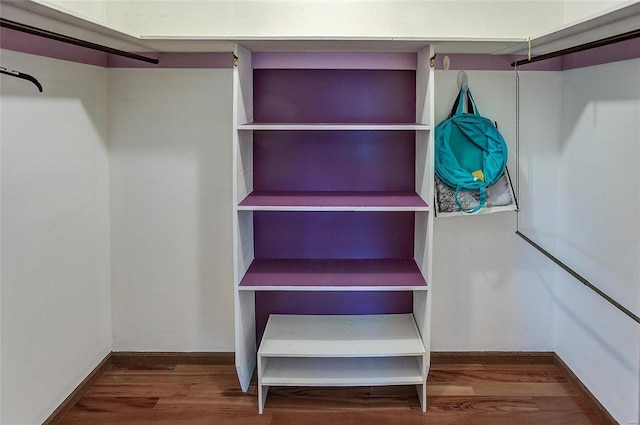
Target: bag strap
457	105
483	200
471	103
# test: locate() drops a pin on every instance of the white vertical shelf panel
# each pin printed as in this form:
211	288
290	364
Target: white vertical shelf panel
423	239
244	162
424	106
423	172
244	249
244	303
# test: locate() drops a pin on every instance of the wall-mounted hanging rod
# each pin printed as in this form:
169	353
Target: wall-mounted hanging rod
582	47
580	278
70	40
21	75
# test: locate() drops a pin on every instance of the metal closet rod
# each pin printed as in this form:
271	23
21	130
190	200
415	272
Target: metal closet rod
582	47
70	40
580	278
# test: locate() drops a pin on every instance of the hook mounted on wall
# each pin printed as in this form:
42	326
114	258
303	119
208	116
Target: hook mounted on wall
21	75
463	81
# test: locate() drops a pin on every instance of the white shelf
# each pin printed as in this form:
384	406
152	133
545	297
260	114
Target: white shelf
341	350
341	336
335	126
342	371
483	211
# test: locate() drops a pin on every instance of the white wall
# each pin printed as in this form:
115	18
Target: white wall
579	10
579	200
93	10
338	18
55	306
489	291
599	231
598	195
171	212
345	18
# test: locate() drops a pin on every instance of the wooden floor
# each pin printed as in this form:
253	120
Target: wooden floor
461	394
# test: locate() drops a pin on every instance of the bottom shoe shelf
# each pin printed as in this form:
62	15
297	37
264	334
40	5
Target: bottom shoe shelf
343	350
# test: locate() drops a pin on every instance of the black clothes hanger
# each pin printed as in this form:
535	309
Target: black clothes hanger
22	75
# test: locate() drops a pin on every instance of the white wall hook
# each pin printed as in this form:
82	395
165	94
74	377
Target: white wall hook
463	81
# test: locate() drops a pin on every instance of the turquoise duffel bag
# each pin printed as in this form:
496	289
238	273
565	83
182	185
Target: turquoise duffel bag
470	152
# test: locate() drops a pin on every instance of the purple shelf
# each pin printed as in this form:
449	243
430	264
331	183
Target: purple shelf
389	126
317	274
330	95
339	199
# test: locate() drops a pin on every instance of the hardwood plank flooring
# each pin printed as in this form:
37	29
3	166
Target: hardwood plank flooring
461	394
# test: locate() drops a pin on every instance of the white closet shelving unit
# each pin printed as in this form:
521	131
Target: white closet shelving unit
351	349
341	350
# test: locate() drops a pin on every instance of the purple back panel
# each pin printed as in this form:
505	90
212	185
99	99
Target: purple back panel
334	234
334	160
345	96
334	60
285	302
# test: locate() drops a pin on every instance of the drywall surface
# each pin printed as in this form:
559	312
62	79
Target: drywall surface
599	202
55	307
579	132
171	212
598	231
312	18
94	10
579	151
340	18
579	10
489	291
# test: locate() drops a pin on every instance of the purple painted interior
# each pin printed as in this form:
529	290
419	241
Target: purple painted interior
337	273
334	160
465	61
357	302
32	44
334	96
334	60
482	62
624	50
324	241
333	234
35	45
333	247
176	60
334	199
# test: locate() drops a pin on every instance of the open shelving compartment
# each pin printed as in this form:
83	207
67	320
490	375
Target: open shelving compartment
501	197
332	229
355	350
